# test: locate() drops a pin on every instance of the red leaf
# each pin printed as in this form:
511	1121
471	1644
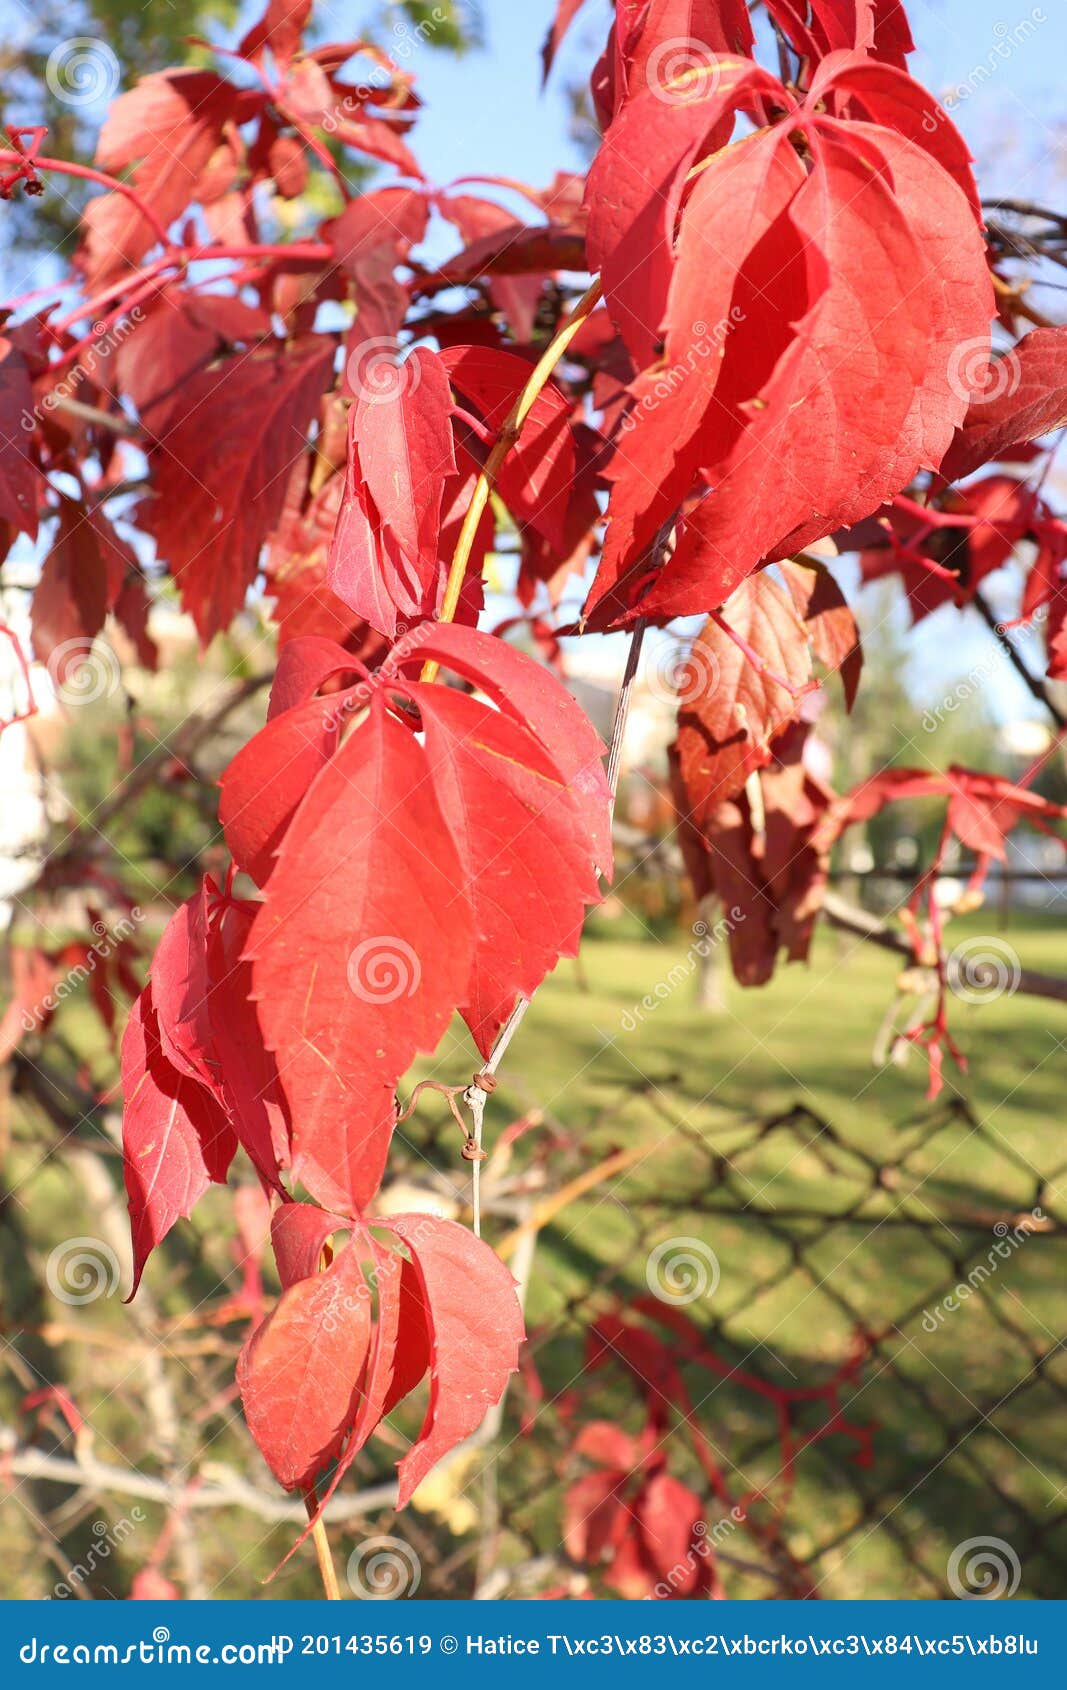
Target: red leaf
637	179
385	556
18	476
281	29
730	711
175	1139
830	624
360	952
475	1327
208	1027
595	1517
70	602
219	480
404	435
1016	398
825	394
298	1232
304	664
181	989
299	1372
822	27
536	477
532	696
247	1077
524	843
167	128
565	14
268	778
767	863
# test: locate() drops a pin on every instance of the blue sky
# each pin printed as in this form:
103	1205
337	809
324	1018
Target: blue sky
489	105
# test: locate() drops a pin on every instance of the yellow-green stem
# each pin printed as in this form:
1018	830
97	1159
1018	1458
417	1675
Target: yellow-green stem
509	434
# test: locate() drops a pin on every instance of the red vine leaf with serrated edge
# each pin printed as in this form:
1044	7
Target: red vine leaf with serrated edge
475	1328
731	710
176	1139
299	1372
360	952
219	491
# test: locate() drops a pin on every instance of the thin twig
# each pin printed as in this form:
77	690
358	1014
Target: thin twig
226	1490
1034	684
851	919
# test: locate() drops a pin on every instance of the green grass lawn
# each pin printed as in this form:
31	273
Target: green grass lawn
920	1188
857	1209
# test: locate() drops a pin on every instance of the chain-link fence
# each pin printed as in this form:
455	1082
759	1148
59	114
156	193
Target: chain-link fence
848	1350
840	1349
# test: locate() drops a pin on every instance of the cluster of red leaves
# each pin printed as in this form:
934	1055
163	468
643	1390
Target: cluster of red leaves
790	266
637	1523
803	291
419	851
751	811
